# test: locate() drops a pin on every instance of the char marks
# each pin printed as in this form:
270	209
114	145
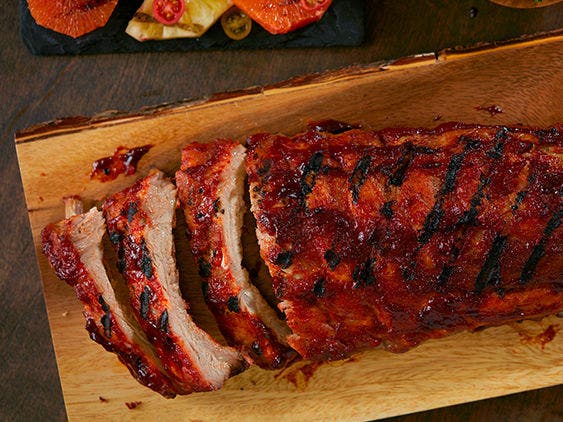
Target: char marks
520	196
332	259
145	246
470	216
498	147
435	201
75	244
432	220
106	317
310	173
358	177
398	176
213	173
539	249
144	302
490	271
363	273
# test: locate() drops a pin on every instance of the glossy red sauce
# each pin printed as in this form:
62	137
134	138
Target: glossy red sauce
199	181
300	375
123	161
388	285
542	338
127	224
133	404
67	263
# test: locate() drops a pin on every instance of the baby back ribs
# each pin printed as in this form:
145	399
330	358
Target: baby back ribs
402	235
211	188
74	249
140	221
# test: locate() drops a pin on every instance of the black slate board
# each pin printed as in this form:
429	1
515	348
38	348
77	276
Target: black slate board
342	25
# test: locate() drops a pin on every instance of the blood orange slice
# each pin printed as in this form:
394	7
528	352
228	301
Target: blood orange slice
71	17
282	16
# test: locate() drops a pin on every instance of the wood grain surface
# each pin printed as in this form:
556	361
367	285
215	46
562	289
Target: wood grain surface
39	89
464	367
525	4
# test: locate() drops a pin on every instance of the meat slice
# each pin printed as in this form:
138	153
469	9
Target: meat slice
140	221
211	189
74	249
399	236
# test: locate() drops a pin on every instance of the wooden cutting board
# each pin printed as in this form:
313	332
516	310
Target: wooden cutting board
524	79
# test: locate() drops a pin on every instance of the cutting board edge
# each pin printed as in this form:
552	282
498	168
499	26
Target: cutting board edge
114	117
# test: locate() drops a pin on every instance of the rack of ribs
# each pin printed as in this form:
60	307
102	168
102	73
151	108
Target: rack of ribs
398	236
140	221
74	250
211	188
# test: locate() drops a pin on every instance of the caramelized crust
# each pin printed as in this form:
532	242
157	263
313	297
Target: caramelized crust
73	248
399	236
211	187
140	221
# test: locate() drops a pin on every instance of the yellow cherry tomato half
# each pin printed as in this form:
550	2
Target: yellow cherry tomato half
236	24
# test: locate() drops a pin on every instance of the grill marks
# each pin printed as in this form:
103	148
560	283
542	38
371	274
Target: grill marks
144	302
490	271
387	210
449	213
520	196
284	259
146	261
163	321
309	177
212	173
319	287
332	259
470	216
150	272
432	220
497	150
398	176
539	249
106	318
358	177
468	219
363	273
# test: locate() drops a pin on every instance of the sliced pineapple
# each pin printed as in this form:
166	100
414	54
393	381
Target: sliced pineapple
198	17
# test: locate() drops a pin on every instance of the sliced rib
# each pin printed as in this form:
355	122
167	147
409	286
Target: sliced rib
74	249
402	235
140	221
211	188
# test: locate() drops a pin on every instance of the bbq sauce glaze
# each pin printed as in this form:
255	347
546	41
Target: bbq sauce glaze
426	232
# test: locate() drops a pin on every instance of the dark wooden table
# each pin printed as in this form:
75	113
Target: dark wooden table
36	89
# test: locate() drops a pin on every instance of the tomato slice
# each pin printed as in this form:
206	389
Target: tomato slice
236	24
168	12
283	16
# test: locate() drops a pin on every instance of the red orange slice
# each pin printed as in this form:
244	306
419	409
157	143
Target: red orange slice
71	17
282	16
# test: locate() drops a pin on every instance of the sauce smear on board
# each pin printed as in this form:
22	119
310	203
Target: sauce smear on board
123	161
